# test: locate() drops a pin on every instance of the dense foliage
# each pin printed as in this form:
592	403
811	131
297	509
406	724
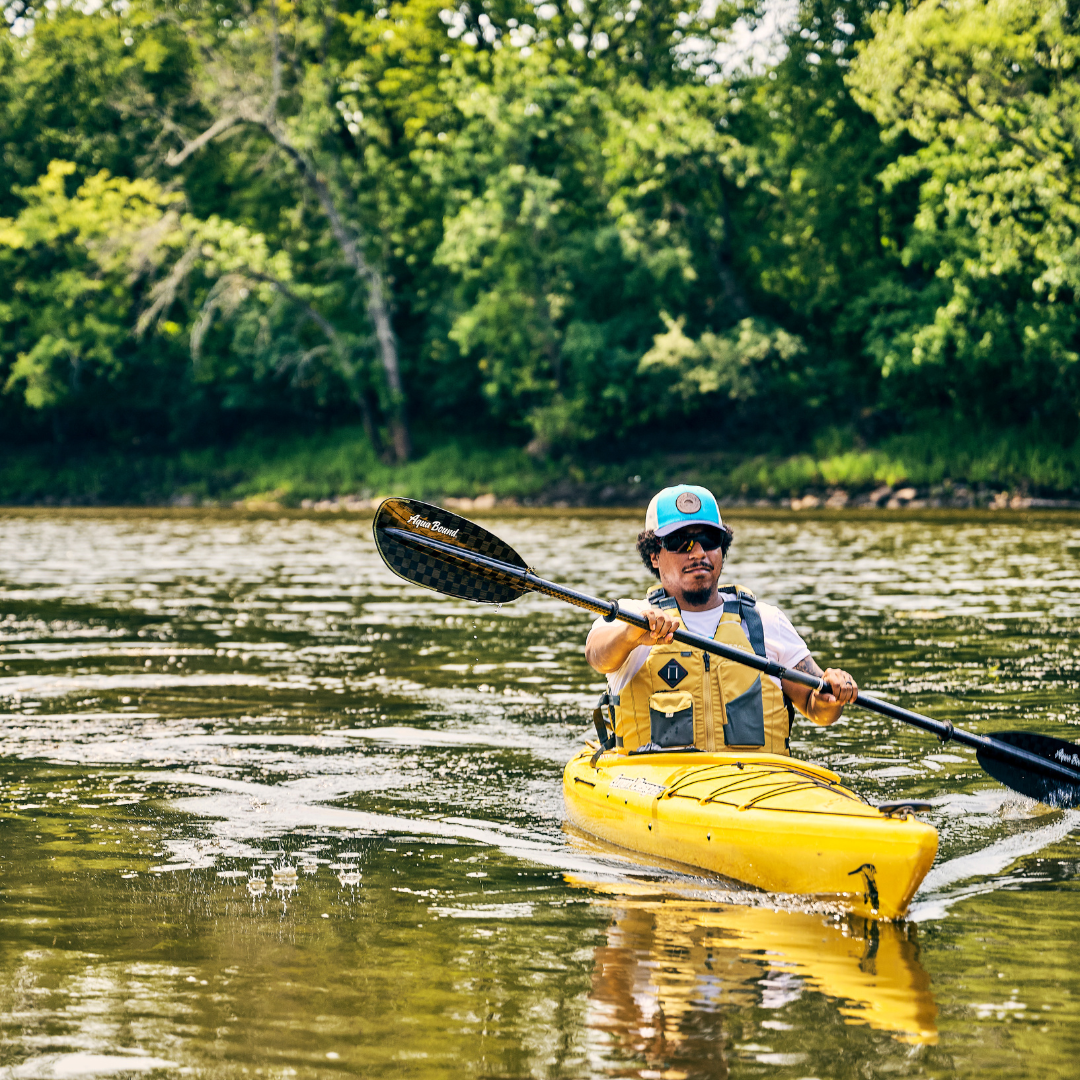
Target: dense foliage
567	225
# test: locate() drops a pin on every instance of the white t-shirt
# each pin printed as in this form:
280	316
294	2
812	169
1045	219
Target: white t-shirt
782	641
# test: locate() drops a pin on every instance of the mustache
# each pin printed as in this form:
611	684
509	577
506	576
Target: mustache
697	566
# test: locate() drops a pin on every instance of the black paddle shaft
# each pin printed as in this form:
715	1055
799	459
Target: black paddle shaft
610	610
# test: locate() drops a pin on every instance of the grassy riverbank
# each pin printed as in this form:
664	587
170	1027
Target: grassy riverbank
938	467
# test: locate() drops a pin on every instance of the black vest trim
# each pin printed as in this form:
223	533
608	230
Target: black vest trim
744	605
754	629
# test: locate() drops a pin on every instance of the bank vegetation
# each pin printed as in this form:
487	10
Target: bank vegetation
332	247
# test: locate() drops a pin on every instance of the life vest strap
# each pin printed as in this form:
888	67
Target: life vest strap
658	597
748	611
607	740
744	605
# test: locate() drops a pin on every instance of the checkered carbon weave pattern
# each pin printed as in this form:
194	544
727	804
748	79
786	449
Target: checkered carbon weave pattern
436	570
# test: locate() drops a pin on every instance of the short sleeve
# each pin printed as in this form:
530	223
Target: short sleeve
633	663
782	641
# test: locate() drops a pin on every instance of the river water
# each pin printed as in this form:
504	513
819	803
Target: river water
268	810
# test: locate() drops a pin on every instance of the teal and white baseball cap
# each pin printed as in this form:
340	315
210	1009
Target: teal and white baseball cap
686	504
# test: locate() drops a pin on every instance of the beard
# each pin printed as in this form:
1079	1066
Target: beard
698	597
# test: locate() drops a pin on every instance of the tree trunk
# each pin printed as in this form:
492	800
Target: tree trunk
377	307
380	317
370	277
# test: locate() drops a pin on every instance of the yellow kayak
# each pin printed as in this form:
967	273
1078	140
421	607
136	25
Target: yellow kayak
781	825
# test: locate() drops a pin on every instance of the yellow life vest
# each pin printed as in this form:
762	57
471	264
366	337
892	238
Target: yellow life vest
683	697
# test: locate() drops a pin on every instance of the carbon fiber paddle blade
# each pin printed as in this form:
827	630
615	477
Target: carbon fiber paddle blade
1050	790
441	571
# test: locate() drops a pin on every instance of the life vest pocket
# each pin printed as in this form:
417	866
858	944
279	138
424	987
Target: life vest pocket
745	718
671	719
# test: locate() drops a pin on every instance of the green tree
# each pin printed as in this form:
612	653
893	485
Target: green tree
272	68
63	97
984	320
73	261
588	203
96	270
812	228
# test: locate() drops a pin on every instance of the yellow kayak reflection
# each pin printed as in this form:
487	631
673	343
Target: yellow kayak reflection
665	955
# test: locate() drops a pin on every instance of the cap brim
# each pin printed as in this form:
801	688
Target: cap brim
674	526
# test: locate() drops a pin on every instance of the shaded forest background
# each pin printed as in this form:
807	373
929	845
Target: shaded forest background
331	245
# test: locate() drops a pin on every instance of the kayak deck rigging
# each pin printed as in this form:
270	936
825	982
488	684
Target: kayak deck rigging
741	779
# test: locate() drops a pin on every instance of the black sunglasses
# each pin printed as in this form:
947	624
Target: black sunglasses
682	542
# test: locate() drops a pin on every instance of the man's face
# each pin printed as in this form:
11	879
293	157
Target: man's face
691	577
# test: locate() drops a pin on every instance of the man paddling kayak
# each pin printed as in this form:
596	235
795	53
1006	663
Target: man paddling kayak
662	694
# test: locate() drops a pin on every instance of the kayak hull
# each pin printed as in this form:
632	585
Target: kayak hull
778	824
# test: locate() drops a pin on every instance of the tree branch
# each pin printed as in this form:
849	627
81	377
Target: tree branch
378	310
264	117
275	64
164	293
223	124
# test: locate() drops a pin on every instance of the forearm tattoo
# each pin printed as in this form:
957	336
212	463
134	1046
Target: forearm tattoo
809	665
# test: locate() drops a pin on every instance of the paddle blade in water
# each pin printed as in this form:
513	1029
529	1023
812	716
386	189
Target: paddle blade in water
1048	789
439	570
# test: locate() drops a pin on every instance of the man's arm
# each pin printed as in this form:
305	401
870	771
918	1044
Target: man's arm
821	707
609	644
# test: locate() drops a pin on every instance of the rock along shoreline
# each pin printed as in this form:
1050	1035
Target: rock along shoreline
885	497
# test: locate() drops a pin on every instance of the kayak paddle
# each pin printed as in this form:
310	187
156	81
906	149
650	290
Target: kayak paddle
442	551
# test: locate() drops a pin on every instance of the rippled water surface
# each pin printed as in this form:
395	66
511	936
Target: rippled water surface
267	810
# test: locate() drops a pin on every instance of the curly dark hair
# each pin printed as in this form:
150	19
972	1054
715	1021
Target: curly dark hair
648	546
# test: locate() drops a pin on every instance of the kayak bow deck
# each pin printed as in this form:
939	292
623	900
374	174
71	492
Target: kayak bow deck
781	825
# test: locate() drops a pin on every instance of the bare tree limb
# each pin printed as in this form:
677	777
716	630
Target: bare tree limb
377	307
301	362
223	124
164	293
275	64
245	111
225	295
